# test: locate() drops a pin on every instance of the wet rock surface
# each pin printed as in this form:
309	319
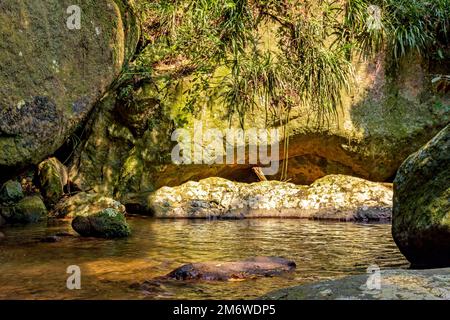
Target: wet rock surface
229	271
393	285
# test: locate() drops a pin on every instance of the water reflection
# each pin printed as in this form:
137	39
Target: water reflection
30	269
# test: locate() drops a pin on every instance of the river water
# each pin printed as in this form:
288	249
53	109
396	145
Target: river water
31	269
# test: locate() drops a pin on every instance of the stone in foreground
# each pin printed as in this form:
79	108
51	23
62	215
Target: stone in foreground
335	197
394	285
108	224
421	213
238	270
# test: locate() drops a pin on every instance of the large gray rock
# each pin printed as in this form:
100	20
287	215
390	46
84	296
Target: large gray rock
334	197
394	285
51	76
421	213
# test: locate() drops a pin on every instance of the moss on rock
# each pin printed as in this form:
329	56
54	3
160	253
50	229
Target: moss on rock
108	223
421	214
51	76
53	177
11	192
28	210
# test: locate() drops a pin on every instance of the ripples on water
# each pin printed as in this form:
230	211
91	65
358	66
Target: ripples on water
30	269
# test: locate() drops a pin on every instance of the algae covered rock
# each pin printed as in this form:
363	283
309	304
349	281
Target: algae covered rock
108	223
84	204
54	70
334	197
421	213
28	210
53	178
11	192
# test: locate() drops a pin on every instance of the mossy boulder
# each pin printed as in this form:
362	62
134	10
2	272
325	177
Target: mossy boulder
11	192
389	114
84	204
28	210
421	213
52	75
53	177
338	197
108	223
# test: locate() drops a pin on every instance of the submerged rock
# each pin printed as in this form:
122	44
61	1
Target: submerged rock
52	75
393	285
108	223
53	178
11	192
28	210
334	197
84	204
421	213
225	271
51	239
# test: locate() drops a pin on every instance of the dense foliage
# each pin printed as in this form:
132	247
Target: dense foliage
279	54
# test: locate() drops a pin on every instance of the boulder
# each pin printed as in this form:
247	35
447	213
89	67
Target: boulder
421	212
108	223
83	204
393	285
53	178
387	116
237	270
28	210
334	197
53	71
11	192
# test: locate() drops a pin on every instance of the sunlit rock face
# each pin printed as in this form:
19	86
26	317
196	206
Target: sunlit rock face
84	204
421	214
383	120
52	74
334	197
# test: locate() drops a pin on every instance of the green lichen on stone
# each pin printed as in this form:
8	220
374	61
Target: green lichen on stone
108	223
11	192
52	177
28	210
421	220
